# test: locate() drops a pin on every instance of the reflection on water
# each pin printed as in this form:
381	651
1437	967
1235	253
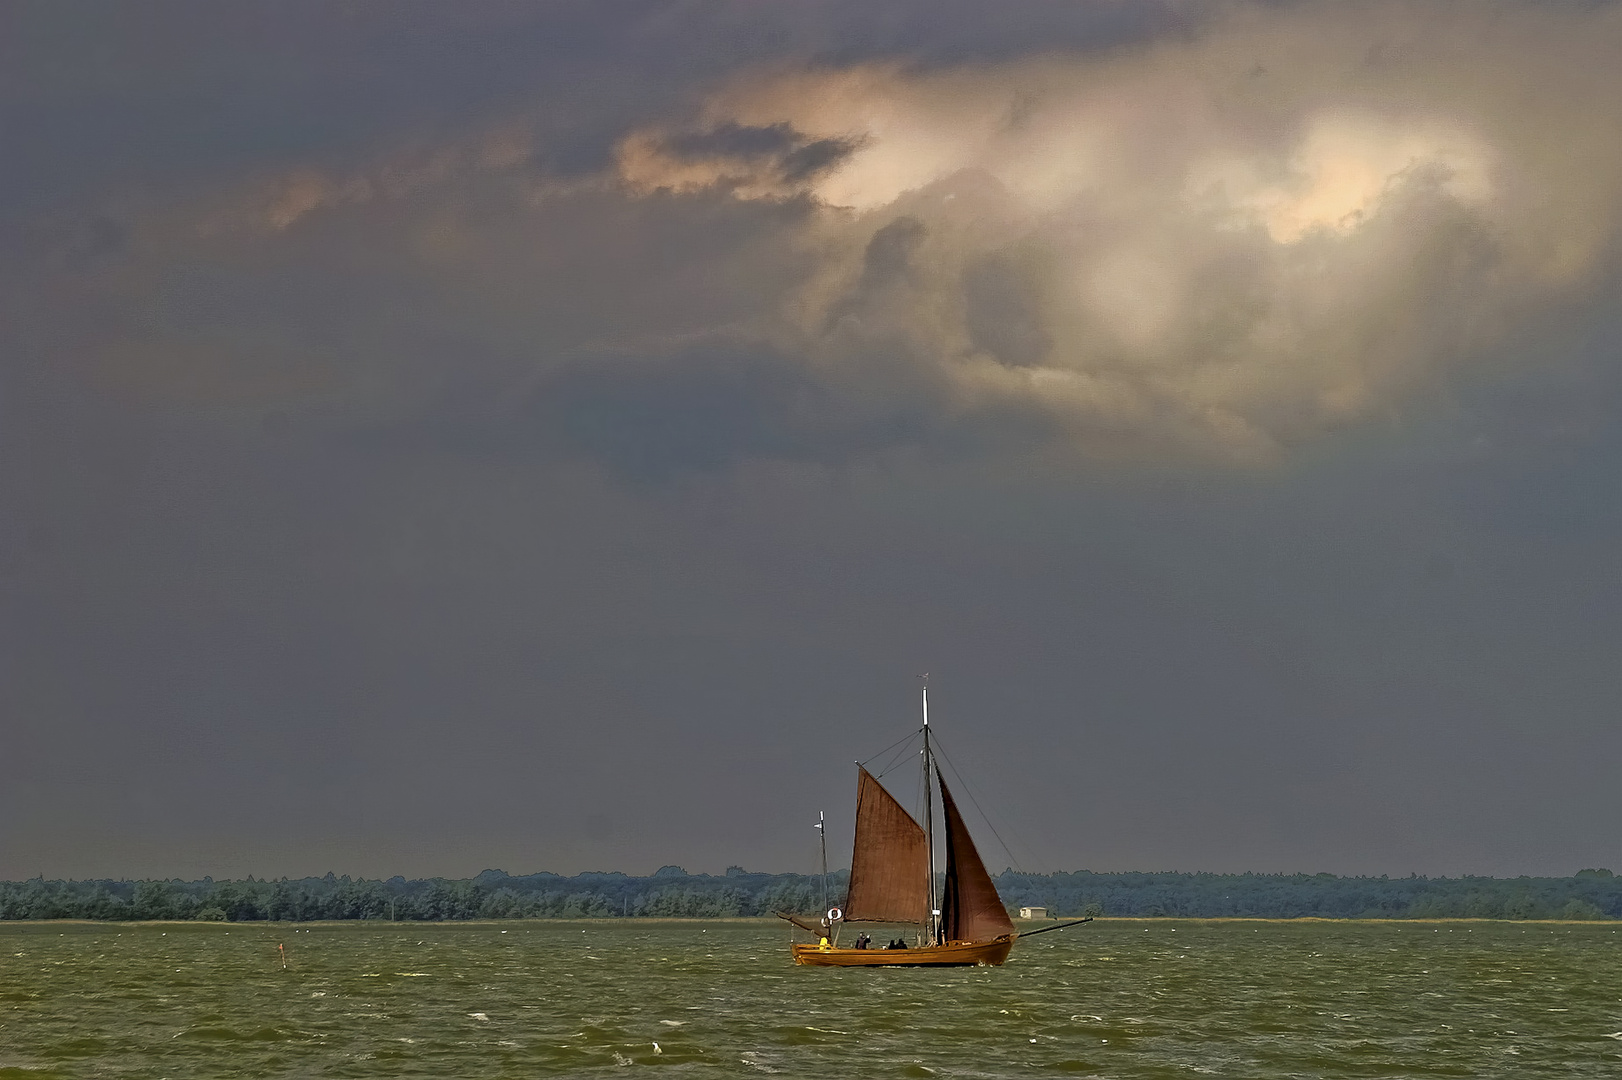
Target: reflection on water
1112	999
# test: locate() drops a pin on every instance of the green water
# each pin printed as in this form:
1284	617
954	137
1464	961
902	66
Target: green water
1112	999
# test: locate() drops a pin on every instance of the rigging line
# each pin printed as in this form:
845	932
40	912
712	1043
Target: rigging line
1020	870
984	816
905	756
896	760
902	755
1041	891
887	749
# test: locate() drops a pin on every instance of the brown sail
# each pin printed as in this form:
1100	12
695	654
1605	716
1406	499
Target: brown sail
971	910
888	867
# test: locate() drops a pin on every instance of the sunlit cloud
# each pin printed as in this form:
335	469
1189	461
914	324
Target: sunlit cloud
1225	245
1220	246
1342	170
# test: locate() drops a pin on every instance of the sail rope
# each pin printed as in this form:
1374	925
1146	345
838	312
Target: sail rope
963	784
900	746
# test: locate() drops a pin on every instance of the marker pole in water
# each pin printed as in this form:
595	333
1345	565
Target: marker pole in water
283	950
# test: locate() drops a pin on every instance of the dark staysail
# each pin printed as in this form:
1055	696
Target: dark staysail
888	881
971	910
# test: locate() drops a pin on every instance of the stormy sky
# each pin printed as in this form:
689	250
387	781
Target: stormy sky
556	436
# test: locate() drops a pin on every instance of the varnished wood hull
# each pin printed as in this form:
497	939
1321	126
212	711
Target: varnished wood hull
956	954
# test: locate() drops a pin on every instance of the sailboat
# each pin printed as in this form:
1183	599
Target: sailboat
892	880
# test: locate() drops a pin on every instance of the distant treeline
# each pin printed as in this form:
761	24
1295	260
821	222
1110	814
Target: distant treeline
673	893
1591	894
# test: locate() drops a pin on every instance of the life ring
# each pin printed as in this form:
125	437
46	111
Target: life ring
834	914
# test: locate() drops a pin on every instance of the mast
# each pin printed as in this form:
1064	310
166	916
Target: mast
933	928
822	834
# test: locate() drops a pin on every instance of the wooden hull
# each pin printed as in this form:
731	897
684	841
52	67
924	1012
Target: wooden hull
955	954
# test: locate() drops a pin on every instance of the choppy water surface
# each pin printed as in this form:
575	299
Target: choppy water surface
1112	999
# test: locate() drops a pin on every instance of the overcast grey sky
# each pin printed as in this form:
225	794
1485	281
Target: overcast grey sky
554	436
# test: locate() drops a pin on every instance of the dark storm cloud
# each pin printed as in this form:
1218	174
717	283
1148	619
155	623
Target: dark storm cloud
703	409
1002	314
797	157
553	436
655	417
889	254
92	99
755	155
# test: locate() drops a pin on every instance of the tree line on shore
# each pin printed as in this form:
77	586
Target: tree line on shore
673	893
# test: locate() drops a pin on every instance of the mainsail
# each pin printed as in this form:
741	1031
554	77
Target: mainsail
888	875
971	910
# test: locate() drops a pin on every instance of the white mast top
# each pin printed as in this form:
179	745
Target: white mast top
926	698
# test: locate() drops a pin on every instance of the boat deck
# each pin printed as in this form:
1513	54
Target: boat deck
952	954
